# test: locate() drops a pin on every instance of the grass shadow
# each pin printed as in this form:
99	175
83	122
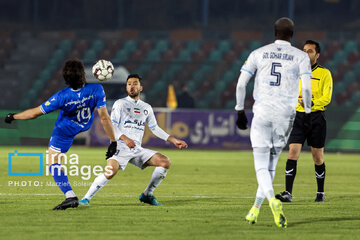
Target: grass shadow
325	219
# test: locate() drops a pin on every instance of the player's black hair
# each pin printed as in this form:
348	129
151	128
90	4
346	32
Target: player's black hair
134	75
317	45
284	29
74	73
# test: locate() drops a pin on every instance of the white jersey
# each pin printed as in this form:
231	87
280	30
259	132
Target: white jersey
129	116
279	67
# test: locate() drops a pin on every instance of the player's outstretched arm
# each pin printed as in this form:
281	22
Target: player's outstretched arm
177	142
106	123
25	115
160	133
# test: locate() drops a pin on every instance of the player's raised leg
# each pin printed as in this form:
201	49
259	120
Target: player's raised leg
60	176
162	165
100	181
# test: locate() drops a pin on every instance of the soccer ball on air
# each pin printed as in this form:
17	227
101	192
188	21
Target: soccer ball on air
103	70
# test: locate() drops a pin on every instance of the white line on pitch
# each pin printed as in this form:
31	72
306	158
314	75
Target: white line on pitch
135	196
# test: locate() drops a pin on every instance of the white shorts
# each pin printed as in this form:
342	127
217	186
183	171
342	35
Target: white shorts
269	133
137	156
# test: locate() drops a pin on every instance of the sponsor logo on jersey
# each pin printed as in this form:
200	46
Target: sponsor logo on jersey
47	103
82	101
136	122
146	112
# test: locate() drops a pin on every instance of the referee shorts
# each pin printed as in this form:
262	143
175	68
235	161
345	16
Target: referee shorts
317	135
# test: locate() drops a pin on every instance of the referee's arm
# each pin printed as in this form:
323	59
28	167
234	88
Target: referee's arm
327	91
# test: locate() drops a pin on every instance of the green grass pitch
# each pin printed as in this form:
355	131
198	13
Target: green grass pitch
205	195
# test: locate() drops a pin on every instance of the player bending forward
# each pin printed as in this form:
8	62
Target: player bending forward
129	116
278	66
77	104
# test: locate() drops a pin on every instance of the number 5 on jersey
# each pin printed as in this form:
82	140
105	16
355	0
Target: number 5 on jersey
276	74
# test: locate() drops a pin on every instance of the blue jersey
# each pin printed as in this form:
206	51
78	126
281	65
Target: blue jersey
76	108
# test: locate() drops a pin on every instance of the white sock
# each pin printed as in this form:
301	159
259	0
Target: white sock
158	175
99	182
259	199
274	157
260	196
262	160
70	194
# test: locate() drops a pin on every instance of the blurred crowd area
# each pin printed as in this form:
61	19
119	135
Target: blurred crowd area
225	15
198	44
30	64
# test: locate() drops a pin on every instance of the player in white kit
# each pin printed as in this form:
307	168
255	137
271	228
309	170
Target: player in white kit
129	116
278	67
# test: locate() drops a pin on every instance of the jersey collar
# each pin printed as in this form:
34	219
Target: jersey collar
77	89
132	100
282	42
313	67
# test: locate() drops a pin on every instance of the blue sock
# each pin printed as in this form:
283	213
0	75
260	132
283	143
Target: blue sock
61	179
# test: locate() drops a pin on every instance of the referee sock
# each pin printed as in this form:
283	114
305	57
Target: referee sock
61	180
158	175
290	173
320	176
99	182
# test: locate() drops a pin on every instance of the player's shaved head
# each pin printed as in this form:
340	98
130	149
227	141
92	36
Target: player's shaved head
284	29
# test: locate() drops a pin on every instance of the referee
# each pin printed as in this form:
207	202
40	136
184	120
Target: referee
315	134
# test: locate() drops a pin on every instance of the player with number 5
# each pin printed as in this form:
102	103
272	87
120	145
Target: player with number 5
77	104
278	68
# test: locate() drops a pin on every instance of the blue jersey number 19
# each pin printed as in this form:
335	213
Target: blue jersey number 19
83	115
275	73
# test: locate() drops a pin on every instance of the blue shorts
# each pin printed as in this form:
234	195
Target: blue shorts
60	143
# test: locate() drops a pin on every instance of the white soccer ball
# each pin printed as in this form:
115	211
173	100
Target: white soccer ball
103	70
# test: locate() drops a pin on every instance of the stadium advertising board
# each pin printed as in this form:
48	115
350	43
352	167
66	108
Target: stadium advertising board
201	129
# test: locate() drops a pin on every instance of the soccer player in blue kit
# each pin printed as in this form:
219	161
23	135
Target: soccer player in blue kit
77	104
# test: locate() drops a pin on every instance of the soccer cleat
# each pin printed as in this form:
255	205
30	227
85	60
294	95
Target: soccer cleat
284	196
279	217
150	199
320	197
72	202
252	216
84	202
